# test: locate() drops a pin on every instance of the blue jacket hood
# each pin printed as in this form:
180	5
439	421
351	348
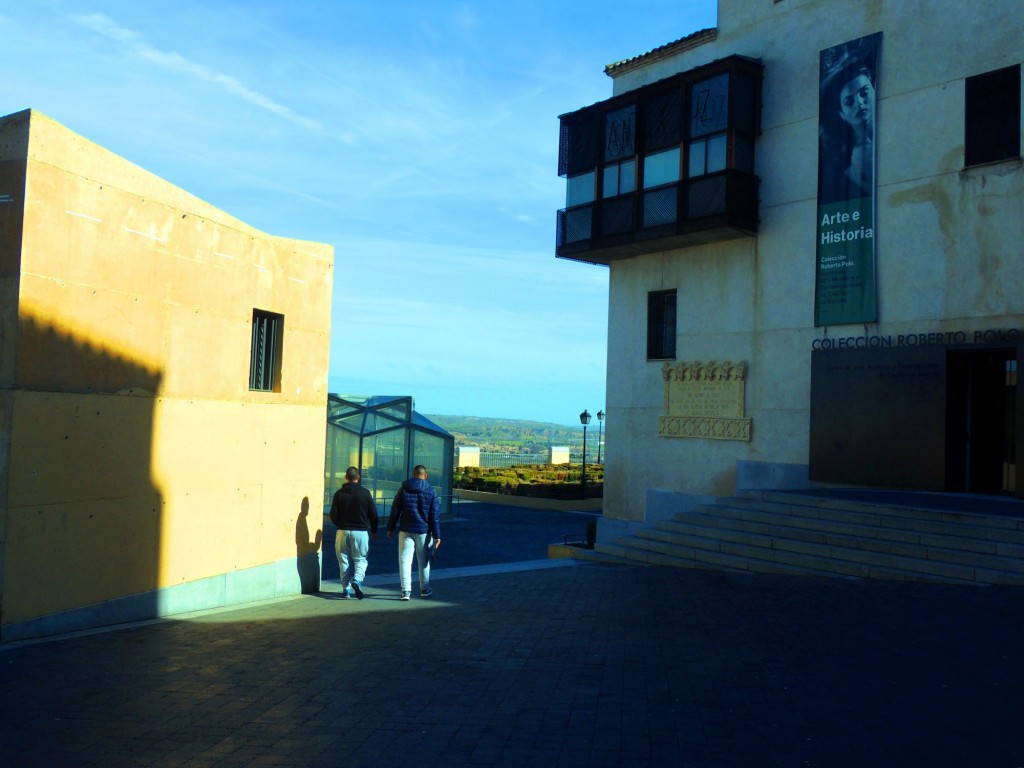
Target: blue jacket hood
415	485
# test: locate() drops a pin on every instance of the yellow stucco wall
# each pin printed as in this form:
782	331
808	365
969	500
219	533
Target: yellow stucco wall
138	457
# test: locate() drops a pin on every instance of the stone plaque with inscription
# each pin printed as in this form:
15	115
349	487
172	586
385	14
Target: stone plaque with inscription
705	400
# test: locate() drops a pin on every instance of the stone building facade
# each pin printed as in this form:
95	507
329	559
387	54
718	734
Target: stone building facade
812	219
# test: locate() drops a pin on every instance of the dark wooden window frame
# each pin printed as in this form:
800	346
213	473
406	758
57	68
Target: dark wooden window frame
661	325
265	351
992	116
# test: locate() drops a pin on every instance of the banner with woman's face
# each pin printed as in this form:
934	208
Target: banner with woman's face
845	266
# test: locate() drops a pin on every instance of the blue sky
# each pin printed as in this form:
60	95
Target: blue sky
418	137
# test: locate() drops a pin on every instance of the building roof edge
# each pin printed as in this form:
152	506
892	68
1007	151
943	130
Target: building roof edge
700	37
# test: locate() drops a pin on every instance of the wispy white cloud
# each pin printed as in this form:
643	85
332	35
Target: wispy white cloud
173	61
419	138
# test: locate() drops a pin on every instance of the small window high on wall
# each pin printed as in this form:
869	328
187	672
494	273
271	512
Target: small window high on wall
661	325
992	112
265	352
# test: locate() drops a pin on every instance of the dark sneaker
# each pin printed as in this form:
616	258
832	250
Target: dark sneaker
358	590
405	596
426	592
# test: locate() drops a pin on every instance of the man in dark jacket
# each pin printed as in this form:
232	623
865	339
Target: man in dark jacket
354	514
416	513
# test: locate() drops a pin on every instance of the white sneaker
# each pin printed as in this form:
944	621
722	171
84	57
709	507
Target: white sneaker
405	596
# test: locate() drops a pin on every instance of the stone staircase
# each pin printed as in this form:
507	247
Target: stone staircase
797	533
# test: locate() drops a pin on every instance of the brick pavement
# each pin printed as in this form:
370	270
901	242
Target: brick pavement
582	665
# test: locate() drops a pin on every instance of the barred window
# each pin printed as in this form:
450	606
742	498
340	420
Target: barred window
265	352
992	112
661	325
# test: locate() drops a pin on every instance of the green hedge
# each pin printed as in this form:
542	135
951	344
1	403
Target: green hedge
540	481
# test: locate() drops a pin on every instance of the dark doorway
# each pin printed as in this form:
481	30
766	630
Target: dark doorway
981	415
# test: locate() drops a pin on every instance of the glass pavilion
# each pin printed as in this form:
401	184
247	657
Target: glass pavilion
385	438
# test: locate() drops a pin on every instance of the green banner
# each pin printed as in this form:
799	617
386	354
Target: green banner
845	259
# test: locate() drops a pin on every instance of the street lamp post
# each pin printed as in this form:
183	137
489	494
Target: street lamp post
584	420
600	421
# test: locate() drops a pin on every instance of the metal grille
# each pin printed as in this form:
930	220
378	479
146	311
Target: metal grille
709	106
660	206
706	197
264	363
619	131
577	147
617	215
575	224
663	120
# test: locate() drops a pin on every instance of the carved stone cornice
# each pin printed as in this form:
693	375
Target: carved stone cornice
694	371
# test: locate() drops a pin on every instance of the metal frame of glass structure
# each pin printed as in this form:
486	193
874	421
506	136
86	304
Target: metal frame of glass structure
385	438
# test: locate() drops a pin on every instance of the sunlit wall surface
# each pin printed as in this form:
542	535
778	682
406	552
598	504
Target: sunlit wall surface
385	438
144	469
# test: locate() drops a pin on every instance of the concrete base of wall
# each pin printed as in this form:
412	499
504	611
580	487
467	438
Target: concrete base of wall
660	505
554	505
285	578
770	476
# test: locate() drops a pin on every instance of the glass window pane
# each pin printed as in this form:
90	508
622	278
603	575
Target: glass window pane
342	453
429	450
627	177
697	166
619	179
579	189
661	168
400	409
610	185
716	153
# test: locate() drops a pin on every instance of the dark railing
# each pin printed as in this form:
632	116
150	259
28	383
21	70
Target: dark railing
384	506
496	459
512	459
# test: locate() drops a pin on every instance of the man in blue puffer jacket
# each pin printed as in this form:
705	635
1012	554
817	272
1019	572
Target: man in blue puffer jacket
416	513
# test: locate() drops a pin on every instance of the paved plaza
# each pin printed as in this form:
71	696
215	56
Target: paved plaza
540	663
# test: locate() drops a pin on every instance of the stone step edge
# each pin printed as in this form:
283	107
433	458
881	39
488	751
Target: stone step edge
718	561
828	562
1008	559
900	511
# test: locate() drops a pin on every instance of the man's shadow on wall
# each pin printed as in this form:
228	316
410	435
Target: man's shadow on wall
307	551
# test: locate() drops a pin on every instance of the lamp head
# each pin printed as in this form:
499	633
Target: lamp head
584	418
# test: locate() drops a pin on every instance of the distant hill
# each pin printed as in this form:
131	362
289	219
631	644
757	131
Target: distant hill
508	435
